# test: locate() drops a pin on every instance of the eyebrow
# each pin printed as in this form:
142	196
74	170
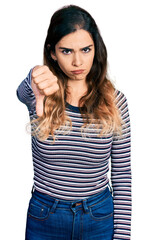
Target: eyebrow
70	49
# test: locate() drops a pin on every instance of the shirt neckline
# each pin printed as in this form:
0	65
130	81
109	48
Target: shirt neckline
72	107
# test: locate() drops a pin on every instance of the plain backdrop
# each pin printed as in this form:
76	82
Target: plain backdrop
23	27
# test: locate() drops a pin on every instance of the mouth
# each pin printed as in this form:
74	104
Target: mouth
78	71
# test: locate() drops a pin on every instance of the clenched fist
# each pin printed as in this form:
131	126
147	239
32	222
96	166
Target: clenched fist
44	83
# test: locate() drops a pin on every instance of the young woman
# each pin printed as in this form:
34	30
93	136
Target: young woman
80	123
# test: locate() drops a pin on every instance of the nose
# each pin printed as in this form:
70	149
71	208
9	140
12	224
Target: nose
77	60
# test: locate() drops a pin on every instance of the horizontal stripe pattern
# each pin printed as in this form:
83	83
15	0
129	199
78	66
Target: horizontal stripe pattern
76	166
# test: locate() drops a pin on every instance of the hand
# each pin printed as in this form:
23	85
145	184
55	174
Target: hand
44	83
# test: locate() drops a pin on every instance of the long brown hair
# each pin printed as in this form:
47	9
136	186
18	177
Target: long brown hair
98	106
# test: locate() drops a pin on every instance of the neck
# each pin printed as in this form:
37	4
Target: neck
76	85
76	89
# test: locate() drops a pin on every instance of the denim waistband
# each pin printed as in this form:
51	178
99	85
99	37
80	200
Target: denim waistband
74	205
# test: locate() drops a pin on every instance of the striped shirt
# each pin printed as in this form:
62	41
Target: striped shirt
76	166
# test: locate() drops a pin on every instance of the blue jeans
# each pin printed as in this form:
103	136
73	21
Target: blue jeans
54	219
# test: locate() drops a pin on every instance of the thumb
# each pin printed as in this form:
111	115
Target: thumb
39	105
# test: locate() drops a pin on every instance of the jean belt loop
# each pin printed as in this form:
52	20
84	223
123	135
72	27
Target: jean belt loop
110	188
33	189
54	206
85	207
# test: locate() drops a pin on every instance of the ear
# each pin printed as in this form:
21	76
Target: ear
53	56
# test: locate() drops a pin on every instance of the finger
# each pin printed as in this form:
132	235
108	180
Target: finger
43	77
47	83
49	91
39	105
38	70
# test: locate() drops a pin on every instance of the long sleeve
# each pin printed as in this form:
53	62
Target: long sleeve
121	175
25	93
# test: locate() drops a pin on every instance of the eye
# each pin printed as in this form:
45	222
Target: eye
86	49
66	51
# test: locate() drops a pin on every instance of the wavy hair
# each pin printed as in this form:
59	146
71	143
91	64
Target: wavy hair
98	106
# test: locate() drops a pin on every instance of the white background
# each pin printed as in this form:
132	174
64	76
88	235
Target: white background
124	27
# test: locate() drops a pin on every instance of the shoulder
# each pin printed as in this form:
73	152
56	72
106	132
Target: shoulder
121	100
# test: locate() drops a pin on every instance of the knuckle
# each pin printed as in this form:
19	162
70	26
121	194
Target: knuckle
46	68
54	79
57	87
39	86
35	80
33	74
46	92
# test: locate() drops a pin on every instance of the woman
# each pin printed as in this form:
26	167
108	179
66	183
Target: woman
79	123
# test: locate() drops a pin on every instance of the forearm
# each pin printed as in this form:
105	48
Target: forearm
121	183
25	93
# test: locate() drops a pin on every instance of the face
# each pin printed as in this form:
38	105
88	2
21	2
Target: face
74	54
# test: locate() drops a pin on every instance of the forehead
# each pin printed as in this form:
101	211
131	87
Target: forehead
79	38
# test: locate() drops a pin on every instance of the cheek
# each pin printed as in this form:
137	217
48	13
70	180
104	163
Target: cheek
61	62
64	66
89	63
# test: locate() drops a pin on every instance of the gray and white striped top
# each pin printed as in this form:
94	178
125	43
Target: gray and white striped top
76	165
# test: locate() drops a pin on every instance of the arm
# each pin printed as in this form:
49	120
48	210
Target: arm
25	93
121	175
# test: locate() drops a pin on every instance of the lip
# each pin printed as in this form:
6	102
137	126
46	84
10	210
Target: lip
78	71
